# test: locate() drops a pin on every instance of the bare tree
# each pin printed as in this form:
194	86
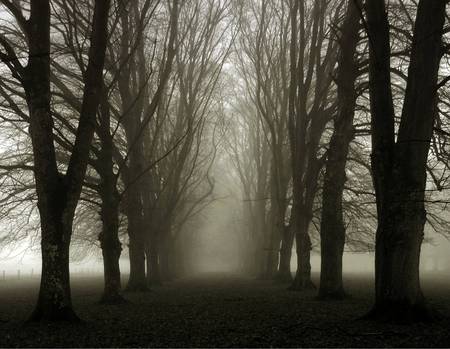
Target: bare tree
332	229
311	105
58	194
399	166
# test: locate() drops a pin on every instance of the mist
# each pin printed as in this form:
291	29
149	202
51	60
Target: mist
224	173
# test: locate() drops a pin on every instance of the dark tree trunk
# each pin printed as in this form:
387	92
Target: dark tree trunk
54	301
111	254
284	269
278	189
137	281
272	254
137	245
260	245
111	247
302	280
399	237
332	229
399	168
134	210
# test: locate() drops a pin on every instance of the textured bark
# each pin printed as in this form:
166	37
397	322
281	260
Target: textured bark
399	168
54	301
332	229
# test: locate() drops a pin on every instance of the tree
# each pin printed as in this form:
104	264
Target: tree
264	67
250	157
138	107
399	166
332	229
311	105
58	194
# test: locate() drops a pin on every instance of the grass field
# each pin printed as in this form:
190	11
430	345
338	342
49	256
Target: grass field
218	310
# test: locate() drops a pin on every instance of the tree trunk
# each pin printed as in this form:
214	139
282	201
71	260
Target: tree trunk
284	269
135	213
278	204
398	295
111	250
272	253
137	280
109	237
302	279
111	254
260	243
54	301
332	229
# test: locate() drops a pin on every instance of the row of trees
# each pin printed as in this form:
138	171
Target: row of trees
322	83
117	109
121	101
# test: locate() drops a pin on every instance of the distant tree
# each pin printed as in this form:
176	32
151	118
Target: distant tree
263	64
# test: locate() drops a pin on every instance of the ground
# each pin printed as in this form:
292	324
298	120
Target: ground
218	310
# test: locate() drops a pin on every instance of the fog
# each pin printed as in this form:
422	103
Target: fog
218	246
224	173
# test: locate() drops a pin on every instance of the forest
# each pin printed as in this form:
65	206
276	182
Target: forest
224	173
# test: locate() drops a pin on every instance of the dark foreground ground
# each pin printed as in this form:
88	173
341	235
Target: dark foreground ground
218	310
